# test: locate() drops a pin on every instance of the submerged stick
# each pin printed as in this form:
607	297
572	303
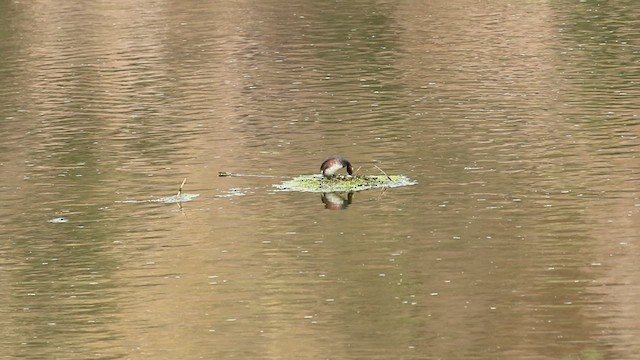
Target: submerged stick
388	177
181	186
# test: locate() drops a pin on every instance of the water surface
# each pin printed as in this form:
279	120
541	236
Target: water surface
518	121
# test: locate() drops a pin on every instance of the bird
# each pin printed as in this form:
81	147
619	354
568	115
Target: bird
330	166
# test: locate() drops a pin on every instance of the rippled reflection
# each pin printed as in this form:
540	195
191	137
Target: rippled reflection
336	201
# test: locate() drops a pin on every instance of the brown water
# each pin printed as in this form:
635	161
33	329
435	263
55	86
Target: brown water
519	121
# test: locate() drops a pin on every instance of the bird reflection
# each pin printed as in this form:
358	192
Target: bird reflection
336	201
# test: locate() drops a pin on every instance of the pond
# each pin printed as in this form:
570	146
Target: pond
516	125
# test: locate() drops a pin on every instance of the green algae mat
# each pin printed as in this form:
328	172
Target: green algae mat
318	183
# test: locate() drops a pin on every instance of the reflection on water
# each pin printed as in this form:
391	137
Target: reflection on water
518	121
337	201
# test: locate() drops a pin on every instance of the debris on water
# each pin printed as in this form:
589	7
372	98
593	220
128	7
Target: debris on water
59	220
183	197
228	174
318	183
234	192
178	198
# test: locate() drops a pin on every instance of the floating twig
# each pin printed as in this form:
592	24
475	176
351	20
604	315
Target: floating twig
225	174
180	190
388	177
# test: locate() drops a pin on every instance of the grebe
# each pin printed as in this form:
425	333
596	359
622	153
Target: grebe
330	166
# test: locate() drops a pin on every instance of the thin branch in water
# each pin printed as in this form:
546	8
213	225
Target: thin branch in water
226	174
388	177
180	190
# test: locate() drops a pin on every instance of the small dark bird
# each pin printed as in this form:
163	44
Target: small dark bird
330	166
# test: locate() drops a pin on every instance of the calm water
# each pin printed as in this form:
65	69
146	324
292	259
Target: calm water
519	121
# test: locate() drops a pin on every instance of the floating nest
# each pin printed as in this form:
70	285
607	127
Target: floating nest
318	183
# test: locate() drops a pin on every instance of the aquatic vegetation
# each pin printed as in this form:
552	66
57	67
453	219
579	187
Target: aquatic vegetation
318	183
